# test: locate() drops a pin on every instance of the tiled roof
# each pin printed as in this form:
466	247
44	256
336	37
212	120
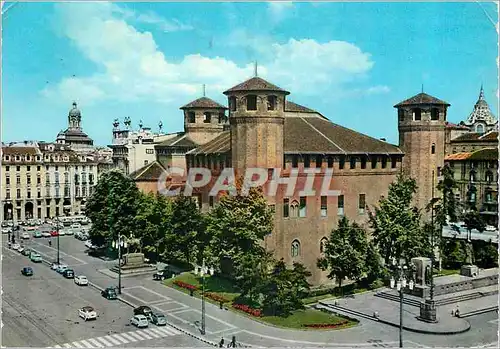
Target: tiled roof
181	140
477	137
255	84
205	103
313	135
294	107
455	126
490	136
150	172
481	154
421	98
6	150
220	144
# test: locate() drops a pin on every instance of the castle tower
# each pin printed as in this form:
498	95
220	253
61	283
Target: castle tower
256	117
481	120
421	125
204	119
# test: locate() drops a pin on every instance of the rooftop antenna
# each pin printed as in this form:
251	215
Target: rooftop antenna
255	69
204	90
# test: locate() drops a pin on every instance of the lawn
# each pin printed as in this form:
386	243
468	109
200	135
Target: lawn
445	272
226	289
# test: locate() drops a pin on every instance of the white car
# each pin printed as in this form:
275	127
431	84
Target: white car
25	236
20	249
87	313
62	232
88	244
46	234
61	268
81	280
6	230
54	266
69	232
139	321
16	246
490	228
76	226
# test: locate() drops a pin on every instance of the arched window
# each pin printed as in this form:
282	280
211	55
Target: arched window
434	114
294	209
271	102
417	114
322	245
433	148
191	117
480	128
208	117
295	248
232	103
489	176
251	102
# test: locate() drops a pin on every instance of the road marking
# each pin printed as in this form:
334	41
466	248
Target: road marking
150	291
106	343
119	338
112	340
76	345
95	342
86	344
212	317
127	336
61	252
152	333
143	333
137	337
67	345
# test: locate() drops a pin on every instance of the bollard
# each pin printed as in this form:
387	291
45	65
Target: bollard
221	305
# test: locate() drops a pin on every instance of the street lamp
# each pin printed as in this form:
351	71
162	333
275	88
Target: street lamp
9	211
119	244
401	279
202	272
57	230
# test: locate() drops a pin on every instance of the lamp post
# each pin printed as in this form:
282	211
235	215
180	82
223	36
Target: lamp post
119	244
401	279
9	211
202	272
57	230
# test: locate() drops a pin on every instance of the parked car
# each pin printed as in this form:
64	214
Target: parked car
88	244
25	236
46	234
26	252
163	274
16	246
6	230
54	266
54	233
61	268
76	226
20	249
68	273
35	257
87	313
69	232
62	232
27	271
139	321
490	228
143	310
81	280
109	293
158	319
37	234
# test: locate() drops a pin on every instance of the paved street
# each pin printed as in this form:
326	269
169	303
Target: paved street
42	310
475	235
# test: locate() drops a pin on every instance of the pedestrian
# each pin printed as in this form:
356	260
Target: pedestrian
50	242
233	342
221	343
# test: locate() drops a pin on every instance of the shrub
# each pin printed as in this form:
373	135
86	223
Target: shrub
335	325
248	310
185	285
216	297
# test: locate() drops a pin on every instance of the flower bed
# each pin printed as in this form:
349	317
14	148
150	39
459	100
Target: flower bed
248	310
216	297
338	324
185	285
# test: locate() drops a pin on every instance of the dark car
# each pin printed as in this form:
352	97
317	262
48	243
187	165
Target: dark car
26	252
158	319
143	310
163	274
69	274
27	271
109	293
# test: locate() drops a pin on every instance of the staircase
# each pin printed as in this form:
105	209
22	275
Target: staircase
438	302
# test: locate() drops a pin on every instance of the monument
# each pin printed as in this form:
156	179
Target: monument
423	278
133	264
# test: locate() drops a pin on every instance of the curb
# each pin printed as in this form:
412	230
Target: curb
368	317
479	311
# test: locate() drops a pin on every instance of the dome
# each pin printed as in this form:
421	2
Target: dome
75	111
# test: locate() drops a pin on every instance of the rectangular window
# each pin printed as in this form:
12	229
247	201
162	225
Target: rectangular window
18	179
91	178
251	102
352	163
7	194
38	168
330	161
341	162
393	162
340	205
39	194
207	117
324	206
319	160
361	203
57	193
28	168
374	162
295	161
18	193
150	151
303	206
417	114
286	208
384	162
84	191
28	179
191	117
307	161
7	180
18	168
28	194
7	168
363	162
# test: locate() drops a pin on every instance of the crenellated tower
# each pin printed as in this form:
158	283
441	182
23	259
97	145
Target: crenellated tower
421	125
256	117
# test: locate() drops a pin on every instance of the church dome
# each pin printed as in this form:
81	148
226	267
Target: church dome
75	111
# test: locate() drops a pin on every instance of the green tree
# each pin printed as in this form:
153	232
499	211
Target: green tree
112	207
472	220
486	254
373	263
237	226
454	253
153	220
397	232
344	252
186	228
251	274
284	289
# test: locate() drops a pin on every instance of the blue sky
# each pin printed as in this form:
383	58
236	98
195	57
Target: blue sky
350	61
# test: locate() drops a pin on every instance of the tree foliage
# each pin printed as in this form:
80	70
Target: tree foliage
397	230
112	207
344	252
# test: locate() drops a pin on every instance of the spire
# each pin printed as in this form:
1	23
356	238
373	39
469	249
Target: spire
204	90
255	69
74	104
481	93
422	88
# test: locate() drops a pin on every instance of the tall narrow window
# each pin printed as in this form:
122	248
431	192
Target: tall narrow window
374	162
295	161
286	208
295	248
322	245
251	102
319	160
307	161
207	117
340	205
271	102
191	117
433	148
393	162
352	162
363	163
401	114
417	114
303	207
341	162
434	114
324	206
28	179
330	161
361	203
232	103
384	162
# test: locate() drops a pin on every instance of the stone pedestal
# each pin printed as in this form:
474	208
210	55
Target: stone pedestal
428	311
469	270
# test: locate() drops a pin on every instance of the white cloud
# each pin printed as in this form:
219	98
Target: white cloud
132	68
279	10
162	23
